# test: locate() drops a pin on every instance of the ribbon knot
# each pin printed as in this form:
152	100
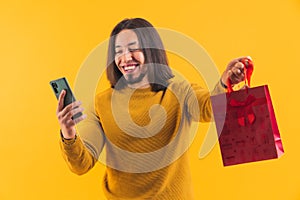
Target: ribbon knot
245	110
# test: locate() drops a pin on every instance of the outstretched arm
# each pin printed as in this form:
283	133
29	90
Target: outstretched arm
234	73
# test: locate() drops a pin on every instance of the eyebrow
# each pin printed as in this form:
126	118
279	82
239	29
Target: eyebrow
129	44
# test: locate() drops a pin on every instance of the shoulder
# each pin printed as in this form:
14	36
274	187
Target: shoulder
104	95
185	88
179	85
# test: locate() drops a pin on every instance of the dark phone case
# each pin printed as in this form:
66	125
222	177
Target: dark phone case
62	84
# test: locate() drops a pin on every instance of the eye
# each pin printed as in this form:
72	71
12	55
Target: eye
118	52
134	50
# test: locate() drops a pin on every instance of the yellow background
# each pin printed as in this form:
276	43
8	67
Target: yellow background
44	40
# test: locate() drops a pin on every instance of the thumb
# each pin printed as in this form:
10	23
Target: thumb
226	75
61	101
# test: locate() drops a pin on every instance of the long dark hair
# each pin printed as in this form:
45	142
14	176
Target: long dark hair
155	56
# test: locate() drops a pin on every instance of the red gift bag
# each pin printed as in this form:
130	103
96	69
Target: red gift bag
246	126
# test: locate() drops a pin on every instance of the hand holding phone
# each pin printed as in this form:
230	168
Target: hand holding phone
69	112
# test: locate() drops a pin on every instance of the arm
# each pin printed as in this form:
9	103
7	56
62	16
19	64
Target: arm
80	152
76	155
234	72
198	102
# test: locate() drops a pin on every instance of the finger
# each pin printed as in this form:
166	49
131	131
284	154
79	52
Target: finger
70	107
74	104
236	60
238	68
61	101
237	77
229	74
72	122
79	119
73	112
237	73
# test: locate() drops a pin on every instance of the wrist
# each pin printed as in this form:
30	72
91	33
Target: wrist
223	84
68	133
68	140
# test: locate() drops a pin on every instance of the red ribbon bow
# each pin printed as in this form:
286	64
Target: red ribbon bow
245	111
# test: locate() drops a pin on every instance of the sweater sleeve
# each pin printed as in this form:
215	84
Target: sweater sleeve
198	102
219	89
77	157
82	153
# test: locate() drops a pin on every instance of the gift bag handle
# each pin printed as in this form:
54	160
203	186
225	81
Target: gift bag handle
248	69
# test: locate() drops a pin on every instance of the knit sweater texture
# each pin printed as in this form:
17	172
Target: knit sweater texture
143	138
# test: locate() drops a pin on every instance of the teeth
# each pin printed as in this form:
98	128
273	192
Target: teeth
129	67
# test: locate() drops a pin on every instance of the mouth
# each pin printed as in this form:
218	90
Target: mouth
130	68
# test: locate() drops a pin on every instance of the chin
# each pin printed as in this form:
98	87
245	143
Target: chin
133	80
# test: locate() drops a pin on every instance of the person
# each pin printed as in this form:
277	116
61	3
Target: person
142	121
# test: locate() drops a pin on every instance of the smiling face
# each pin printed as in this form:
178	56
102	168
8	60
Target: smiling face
130	59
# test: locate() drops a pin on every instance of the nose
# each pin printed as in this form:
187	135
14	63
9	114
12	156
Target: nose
127	56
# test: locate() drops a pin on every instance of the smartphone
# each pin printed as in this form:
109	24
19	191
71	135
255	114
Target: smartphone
59	85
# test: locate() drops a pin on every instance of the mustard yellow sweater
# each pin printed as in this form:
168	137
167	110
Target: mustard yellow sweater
142	137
